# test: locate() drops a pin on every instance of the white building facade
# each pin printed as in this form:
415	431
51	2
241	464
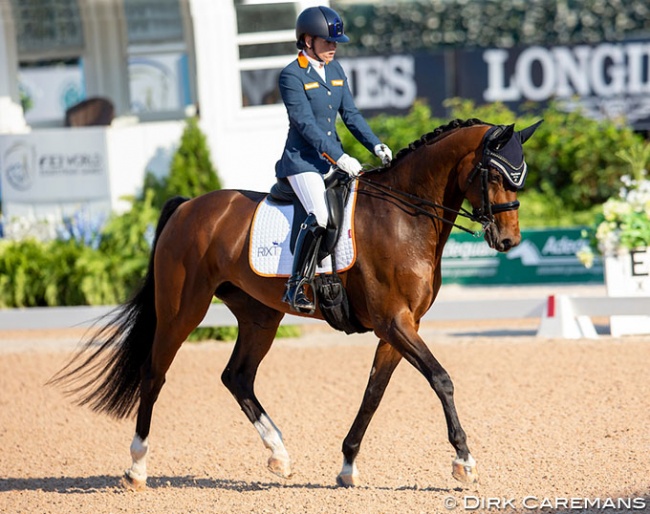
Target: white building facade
157	61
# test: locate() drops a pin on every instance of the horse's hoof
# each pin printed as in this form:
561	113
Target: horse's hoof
465	470
280	467
348	480
132	483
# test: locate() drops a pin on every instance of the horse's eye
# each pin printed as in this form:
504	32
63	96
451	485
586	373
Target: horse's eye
495	177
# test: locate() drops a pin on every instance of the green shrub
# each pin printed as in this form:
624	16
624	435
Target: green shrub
574	162
191	172
230	333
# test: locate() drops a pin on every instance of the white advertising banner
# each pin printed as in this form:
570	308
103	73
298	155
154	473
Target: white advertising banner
628	274
54	166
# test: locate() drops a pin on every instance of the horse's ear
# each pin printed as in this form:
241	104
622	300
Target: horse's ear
501	136
524	135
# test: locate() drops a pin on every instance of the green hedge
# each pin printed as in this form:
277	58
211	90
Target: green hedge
69	272
390	27
573	160
83	267
575	164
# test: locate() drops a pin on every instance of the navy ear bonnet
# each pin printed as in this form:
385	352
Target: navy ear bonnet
503	150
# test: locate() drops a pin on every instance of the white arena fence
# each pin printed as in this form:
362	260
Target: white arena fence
560	316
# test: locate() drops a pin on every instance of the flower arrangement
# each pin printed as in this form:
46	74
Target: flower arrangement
81	226
624	222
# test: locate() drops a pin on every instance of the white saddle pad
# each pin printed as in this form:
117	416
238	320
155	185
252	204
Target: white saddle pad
270	253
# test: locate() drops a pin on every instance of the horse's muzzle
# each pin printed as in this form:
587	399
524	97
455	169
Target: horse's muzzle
498	241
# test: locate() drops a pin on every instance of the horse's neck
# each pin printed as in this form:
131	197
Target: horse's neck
428	173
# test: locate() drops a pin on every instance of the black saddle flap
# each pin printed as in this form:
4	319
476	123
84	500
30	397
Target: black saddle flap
337	191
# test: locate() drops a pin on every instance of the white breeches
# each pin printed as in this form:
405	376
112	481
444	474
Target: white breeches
310	190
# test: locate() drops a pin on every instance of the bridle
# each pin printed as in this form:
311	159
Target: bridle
483	215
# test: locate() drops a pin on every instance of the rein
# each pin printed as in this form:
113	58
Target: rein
483	215
405	199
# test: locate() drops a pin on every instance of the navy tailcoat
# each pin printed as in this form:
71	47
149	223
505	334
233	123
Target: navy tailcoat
312	105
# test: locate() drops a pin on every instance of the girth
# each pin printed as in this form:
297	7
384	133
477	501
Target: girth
337	193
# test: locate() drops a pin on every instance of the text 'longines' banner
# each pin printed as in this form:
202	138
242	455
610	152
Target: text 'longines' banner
605	79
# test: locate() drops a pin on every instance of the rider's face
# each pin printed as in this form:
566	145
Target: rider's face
320	49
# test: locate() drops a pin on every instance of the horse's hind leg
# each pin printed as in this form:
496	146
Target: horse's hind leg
171	332
385	362
258	325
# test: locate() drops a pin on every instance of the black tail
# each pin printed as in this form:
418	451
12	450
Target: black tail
109	381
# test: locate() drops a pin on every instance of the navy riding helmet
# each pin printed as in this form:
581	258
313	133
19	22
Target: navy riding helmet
320	22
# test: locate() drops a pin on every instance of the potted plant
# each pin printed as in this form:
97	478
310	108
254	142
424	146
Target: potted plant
621	236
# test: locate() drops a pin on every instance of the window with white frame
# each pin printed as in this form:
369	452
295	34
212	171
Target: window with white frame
46	25
158	57
50	45
266	43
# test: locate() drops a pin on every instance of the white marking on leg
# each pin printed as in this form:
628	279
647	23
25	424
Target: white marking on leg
271	437
139	450
469	462
349	469
464	470
349	475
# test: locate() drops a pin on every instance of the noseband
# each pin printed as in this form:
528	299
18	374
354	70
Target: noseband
485	214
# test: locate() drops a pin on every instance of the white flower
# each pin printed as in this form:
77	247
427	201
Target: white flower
615	210
586	256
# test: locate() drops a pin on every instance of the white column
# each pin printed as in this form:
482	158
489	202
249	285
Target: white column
11	113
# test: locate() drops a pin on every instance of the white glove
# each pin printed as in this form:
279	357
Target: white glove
384	153
349	164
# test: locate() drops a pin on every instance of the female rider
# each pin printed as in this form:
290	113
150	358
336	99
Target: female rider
314	89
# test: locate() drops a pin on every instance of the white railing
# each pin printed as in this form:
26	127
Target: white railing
560	316
219	315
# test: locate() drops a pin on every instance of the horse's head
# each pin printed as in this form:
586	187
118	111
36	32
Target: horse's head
491	181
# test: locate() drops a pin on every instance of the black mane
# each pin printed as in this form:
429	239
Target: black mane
431	137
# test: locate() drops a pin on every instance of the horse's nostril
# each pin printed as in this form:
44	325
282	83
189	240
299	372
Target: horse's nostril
507	244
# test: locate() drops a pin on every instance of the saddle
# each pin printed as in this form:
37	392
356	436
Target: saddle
337	191
332	297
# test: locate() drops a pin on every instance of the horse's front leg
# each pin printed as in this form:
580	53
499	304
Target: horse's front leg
385	362
402	334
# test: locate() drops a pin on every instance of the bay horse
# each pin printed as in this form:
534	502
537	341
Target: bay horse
404	215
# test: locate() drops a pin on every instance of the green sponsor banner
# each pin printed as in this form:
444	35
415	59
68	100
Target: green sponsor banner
543	256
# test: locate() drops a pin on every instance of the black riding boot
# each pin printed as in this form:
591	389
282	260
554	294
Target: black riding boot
304	266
